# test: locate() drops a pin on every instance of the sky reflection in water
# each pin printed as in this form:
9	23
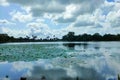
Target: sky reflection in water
84	61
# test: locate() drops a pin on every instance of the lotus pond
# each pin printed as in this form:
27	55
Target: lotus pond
60	60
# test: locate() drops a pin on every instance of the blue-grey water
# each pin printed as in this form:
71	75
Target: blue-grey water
60	60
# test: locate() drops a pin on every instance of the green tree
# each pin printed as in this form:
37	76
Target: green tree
69	37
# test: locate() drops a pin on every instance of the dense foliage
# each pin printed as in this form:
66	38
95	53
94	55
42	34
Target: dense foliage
88	37
5	38
68	37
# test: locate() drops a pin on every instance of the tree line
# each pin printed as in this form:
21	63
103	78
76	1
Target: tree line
88	37
70	36
5	38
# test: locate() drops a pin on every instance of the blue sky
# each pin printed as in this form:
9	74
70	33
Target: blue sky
57	17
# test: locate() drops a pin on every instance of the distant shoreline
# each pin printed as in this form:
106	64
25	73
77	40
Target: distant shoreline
58	41
70	37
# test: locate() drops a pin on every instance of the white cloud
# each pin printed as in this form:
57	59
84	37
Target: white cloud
84	20
103	20
21	16
3	3
43	30
67	16
110	11
82	16
39	28
14	32
75	9
70	9
5	22
113	18
45	6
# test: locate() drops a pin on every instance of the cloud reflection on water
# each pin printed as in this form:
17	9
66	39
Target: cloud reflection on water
93	70
84	61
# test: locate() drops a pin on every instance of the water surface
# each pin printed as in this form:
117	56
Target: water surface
60	60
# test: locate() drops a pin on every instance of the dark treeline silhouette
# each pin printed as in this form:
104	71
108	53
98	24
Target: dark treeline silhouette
5	38
88	37
68	37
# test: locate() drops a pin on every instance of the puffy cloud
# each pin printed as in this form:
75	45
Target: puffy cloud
45	6
114	18
3	3
110	11
40	7
76	8
21	16
102	20
82	16
84	20
42	30
14	32
5	22
39	28
67	16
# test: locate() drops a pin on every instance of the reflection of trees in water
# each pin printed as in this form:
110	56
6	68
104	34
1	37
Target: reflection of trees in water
96	46
73	45
118	77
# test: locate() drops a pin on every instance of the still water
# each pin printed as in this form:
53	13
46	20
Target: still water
60	60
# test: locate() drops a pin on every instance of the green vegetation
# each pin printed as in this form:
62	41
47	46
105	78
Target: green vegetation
118	77
30	52
68	37
5	38
88	37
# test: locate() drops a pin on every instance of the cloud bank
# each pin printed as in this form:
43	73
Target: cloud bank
90	16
